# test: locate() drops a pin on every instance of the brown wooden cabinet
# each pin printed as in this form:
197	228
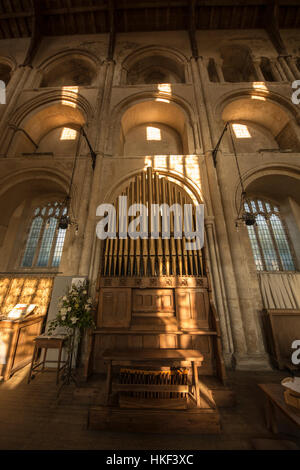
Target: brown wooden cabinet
282	327
16	343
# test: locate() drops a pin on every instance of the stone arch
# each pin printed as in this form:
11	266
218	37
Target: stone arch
160	107
279	184
19	190
159	64
73	67
269	171
24	179
39	116
263	108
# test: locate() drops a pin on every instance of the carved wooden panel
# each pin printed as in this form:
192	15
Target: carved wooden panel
114	308
192	308
153	301
25	344
164	282
205	345
16	343
282	328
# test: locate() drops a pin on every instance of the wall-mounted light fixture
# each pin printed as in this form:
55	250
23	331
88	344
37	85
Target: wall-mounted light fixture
247	217
93	154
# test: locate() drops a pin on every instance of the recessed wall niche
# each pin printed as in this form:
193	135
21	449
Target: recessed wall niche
152	139
69	71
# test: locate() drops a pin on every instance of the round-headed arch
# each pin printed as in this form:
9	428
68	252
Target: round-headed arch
154	64
72	67
161	107
265	109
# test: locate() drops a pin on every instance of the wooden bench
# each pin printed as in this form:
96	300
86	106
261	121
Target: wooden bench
160	356
275	402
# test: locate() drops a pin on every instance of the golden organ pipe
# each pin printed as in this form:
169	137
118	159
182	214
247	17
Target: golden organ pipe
144	241
152	256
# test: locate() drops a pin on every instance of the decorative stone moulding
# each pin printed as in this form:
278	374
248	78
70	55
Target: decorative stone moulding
162	281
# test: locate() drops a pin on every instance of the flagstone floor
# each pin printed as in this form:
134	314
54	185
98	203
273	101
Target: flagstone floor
32	418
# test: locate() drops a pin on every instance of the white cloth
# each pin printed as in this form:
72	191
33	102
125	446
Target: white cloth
280	290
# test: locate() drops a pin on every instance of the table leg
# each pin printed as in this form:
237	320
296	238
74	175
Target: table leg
44	358
32	363
108	382
271	419
58	364
196	382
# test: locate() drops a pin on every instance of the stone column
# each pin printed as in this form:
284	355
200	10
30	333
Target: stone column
201	114
259	74
35	79
219	70
286	68
292	61
103	102
274	68
281	66
13	83
205	62
82	210
229	345
229	290
247	288
19	78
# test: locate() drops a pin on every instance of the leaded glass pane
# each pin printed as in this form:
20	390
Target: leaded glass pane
282	243
32	242
255	248
266	243
46	244
58	247
268	238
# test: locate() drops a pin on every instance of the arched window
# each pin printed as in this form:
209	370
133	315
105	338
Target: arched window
45	240
271	247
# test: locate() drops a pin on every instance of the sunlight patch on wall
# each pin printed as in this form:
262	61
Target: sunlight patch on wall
176	163
68	134
163	100
160	161
241	131
256	97
165	88
65	101
153	133
260	86
148	161
192	169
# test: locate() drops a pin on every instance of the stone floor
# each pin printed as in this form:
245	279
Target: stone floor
32	418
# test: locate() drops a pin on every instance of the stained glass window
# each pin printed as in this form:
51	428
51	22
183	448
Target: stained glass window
45	240
269	239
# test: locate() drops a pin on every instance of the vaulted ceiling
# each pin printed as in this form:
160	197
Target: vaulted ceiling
20	18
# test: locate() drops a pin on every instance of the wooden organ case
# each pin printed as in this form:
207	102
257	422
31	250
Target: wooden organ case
156	327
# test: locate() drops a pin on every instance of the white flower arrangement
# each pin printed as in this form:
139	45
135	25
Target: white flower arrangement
75	310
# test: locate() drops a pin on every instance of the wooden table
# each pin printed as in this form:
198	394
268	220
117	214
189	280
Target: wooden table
275	401
16	342
48	342
162	356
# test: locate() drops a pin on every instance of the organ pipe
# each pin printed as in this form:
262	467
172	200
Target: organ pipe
152	257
